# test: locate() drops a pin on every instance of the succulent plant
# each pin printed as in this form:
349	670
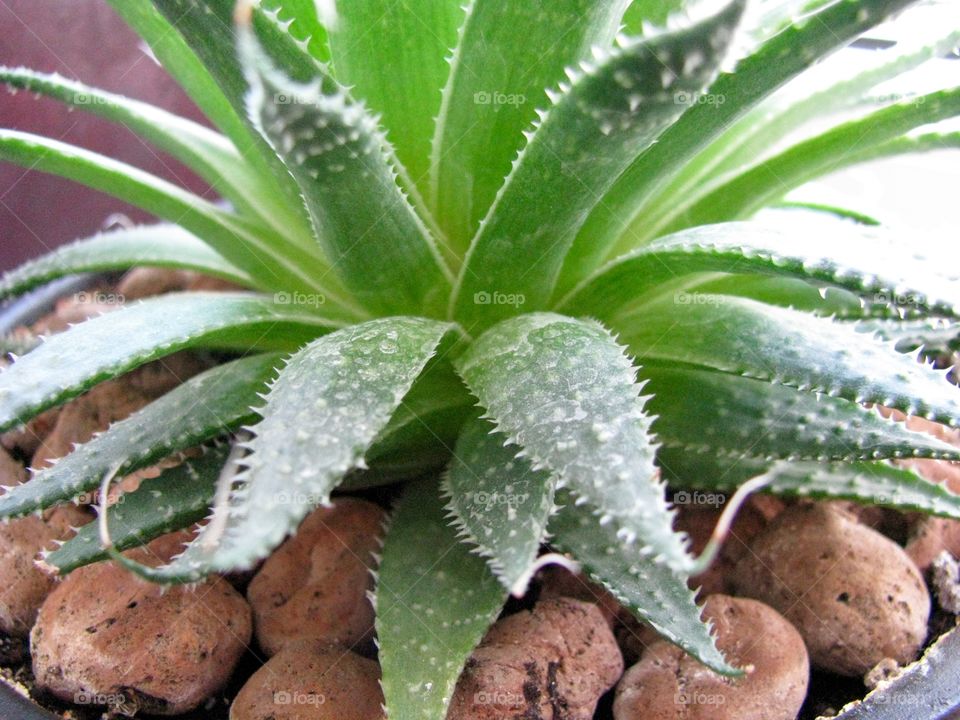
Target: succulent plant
521	276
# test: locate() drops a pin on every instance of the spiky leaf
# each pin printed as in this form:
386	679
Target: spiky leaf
341	161
872	263
871	483
934	335
195	38
240	242
716	413
206	152
777	60
744	337
66	365
423	430
507	53
500	503
170	48
157	245
608	114
321	415
176	499
434	600
564	391
924	690
853	141
412	39
650	589
202	408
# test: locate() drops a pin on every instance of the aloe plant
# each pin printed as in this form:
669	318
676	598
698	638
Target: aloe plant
529	259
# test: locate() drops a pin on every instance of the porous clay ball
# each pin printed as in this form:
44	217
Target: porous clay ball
314	586
669	684
303	682
552	663
853	594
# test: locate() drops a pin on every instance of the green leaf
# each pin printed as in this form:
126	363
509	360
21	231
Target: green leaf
871	483
177	58
810	38
874	264
709	412
103	347
339	158
564	391
321	415
305	25
744	337
850	142
200	409
594	127
909	145
435	600
651	590
843	213
206	152
788	292
246	246
158	245
204	32
814	95
934	335
411	40
643	13
500	504
423	430
507	53
175	500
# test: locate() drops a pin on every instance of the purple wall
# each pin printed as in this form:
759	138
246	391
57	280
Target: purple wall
86	41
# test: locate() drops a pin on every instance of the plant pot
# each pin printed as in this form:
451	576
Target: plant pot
14	705
926	690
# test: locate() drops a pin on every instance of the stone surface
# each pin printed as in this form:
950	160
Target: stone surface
853	594
314	586
107	635
551	663
302	682
669	684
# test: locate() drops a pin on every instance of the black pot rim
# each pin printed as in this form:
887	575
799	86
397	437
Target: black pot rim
14	706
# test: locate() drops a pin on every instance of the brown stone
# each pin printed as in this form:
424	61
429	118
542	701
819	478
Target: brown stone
669	684
551	663
853	594
314	586
105	635
302	682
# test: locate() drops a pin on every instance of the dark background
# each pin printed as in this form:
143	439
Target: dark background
83	40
